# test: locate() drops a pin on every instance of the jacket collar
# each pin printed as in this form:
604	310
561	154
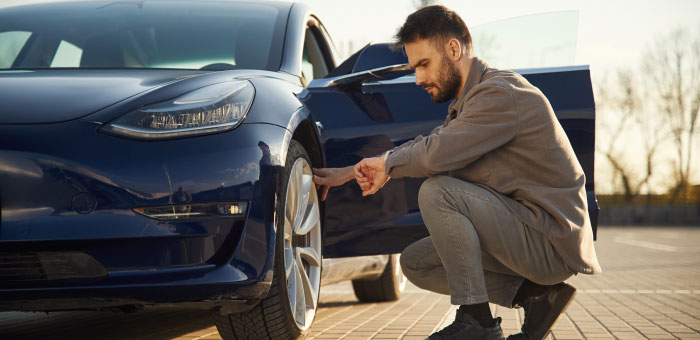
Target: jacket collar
476	73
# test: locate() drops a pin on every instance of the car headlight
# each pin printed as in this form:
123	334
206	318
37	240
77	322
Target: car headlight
210	109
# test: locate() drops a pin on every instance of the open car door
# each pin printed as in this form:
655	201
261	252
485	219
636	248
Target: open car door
371	104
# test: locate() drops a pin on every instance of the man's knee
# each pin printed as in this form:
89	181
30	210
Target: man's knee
413	257
431	190
407	260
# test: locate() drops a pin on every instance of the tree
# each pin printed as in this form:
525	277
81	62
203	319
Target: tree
659	102
672	66
627	99
422	3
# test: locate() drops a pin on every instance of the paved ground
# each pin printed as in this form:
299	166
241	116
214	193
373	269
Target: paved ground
650	290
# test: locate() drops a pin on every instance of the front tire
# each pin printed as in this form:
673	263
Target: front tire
289	309
387	287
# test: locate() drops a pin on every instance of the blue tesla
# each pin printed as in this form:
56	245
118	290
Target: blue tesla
160	153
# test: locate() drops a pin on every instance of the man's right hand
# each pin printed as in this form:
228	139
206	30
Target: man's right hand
331	177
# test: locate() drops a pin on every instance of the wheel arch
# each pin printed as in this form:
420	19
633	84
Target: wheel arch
305	134
304	130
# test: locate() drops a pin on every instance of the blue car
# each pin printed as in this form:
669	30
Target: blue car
161	153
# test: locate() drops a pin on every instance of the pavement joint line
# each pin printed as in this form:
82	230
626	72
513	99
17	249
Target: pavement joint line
337	312
619	318
686	313
380	313
345	319
639	291
450	311
666	315
576	327
345	292
602	325
205	335
413	324
640	314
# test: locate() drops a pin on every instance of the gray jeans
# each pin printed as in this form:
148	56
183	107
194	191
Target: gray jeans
478	250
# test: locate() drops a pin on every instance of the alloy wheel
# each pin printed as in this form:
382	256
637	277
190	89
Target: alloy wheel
302	244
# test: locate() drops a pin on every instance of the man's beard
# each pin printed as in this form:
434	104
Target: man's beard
448	83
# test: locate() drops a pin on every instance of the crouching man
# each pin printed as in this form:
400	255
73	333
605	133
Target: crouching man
504	201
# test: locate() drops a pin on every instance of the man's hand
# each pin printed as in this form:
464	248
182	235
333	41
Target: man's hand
370	175
331	177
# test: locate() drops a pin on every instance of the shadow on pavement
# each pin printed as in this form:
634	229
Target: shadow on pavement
338	304
156	324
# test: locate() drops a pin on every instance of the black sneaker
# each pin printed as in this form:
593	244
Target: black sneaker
465	327
543	311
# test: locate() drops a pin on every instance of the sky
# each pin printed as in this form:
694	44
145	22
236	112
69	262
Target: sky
612	34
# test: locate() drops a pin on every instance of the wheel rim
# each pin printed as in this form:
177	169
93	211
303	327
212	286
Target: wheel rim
398	274
302	244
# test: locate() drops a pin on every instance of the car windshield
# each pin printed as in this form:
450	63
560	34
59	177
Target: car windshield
143	34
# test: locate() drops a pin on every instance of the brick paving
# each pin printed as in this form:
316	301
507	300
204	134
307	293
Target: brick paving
650	289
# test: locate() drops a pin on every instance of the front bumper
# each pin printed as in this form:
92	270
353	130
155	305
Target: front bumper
66	188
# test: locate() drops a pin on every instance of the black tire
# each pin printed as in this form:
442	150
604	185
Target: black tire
387	287
271	319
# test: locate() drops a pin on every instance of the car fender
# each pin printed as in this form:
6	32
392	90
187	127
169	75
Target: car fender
279	102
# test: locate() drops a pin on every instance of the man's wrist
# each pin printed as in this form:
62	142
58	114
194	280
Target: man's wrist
349	173
385	156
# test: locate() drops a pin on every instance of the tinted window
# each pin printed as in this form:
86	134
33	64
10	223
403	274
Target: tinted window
11	44
158	34
313	64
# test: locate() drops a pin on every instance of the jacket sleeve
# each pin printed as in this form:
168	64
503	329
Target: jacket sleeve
486	121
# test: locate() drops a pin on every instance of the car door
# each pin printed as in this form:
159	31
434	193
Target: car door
365	117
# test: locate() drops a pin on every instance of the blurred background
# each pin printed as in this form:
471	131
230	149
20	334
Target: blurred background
644	58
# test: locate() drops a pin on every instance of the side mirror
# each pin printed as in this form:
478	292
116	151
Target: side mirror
372	62
378	55
357	78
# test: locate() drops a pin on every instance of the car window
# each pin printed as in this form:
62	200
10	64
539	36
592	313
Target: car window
159	34
313	64
67	55
531	41
11	43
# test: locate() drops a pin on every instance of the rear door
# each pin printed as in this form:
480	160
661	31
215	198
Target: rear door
371	117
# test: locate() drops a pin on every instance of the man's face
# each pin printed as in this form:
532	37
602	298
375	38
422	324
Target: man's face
435	71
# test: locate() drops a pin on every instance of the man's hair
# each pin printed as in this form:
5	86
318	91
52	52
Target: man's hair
436	23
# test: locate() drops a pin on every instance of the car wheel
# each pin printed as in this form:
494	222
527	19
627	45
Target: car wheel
387	287
289	309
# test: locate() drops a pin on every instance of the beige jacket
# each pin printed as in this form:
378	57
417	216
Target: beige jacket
502	134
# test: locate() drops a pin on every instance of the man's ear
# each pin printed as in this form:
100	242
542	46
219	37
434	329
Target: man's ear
454	49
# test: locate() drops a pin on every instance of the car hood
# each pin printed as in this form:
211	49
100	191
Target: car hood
52	96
